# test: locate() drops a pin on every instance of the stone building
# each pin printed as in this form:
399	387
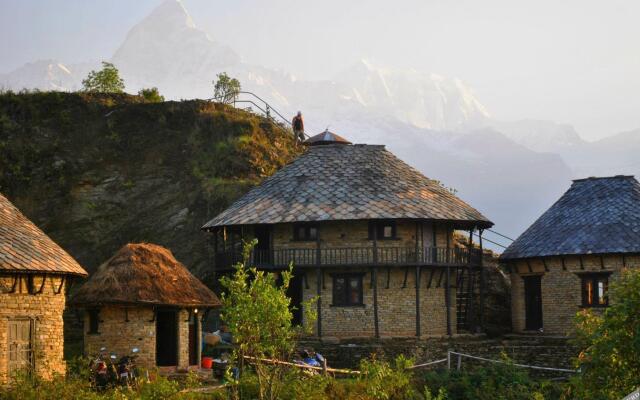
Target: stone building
143	297
34	274
565	261
368	234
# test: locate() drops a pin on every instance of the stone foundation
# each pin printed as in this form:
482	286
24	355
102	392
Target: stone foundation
39	318
529	350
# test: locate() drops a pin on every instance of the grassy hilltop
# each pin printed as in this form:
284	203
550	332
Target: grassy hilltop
98	171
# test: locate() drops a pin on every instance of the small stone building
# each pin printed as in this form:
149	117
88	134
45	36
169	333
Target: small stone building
565	261
34	275
143	297
369	235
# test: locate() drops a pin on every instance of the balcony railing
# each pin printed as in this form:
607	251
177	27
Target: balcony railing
353	256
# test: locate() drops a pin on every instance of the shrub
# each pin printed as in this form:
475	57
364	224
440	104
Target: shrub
107	80
151	95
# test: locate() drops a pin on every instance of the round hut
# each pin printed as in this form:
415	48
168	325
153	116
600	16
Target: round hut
34	272
143	297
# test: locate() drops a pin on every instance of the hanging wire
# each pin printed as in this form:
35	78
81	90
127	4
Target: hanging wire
490	241
500	234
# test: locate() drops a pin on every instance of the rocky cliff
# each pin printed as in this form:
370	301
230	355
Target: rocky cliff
98	171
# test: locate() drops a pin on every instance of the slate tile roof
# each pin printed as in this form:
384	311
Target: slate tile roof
347	182
25	248
595	216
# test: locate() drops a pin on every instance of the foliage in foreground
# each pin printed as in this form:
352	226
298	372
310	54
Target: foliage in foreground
610	359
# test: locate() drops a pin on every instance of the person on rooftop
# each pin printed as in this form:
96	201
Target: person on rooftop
298	126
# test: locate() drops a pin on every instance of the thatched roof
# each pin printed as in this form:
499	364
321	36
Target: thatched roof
595	216
348	182
144	274
24	248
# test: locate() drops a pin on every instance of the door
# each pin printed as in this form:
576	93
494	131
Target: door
20	346
294	292
166	338
533	303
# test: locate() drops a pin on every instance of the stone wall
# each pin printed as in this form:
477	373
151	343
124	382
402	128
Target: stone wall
560	289
120	336
396	305
45	311
529	350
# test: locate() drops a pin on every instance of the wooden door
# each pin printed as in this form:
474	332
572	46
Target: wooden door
533	303
20	346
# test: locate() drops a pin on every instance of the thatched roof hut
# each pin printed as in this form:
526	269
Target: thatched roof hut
144	274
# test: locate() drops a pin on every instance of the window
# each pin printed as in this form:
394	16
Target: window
94	320
305	232
594	290
347	290
384	230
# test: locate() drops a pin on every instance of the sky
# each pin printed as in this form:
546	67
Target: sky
571	61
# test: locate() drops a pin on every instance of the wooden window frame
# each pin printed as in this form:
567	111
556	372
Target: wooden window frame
594	278
308	227
348	277
379	227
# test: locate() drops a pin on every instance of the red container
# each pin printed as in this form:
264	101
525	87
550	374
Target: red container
207	362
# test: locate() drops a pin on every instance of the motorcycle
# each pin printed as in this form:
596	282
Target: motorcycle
102	369
127	368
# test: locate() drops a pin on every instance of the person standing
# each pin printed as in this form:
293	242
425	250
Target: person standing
298	126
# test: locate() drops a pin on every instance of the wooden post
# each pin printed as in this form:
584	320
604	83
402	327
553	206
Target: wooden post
448	359
198	339
374	278
459	362
482	281
319	283
418	333
447	300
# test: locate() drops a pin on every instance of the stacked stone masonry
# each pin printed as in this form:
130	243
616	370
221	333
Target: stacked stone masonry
42	316
561	288
121	329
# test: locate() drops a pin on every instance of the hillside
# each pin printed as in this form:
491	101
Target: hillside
98	171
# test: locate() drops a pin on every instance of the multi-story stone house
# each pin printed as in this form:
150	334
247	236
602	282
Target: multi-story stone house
368	234
565	261
34	275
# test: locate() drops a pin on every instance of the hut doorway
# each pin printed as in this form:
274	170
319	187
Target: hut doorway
262	250
533	303
166	338
20	346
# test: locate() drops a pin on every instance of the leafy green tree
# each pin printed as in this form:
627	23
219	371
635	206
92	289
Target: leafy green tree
226	89
258	313
107	80
610	343
152	95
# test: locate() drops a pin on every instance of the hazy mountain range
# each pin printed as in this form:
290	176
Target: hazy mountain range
511	171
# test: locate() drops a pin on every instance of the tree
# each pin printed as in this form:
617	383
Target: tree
107	80
610	343
226	89
257	311
151	95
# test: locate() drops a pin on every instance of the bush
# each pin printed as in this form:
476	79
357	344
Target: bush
107	80
151	95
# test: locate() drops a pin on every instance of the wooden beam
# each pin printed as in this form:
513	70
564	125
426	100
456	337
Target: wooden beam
581	262
601	262
624	261
433	271
529	266
482	280
544	262
374	278
447	300
319	302
59	289
418	332
406	272
388	276
440	278
564	266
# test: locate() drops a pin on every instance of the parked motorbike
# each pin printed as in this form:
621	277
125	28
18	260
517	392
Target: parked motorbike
102	368
126	368
312	359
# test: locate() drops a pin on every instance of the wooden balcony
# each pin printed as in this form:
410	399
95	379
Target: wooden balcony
353	256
